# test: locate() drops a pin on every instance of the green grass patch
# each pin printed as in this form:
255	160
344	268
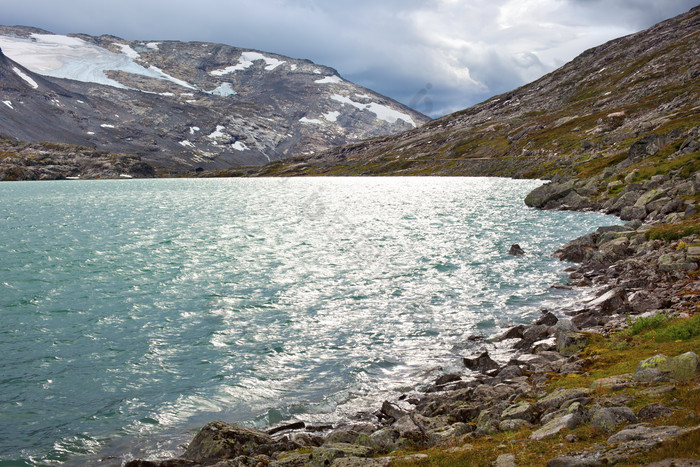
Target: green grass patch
645	324
676	230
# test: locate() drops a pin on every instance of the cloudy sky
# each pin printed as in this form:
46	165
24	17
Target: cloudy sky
438	56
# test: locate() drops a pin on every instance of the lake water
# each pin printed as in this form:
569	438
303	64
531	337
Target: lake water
134	311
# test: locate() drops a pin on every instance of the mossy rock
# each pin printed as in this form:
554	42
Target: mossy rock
682	368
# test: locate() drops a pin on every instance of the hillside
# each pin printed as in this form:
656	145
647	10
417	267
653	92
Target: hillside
575	121
182	106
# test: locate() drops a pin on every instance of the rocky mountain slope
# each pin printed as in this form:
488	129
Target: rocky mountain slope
575	121
181	106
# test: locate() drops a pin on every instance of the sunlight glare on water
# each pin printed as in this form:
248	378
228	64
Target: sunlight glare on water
135	311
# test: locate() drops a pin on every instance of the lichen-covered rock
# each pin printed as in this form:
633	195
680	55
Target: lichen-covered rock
684	367
556	398
570	343
326	454
220	440
513	424
573	461
555	426
612	301
523	411
613	382
607	418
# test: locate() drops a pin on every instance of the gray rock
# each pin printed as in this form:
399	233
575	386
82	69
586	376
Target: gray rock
219	440
523	411
555	426
326	454
612	301
629	213
505	460
513	425
608	418
675	462
482	363
655	434
559	396
572	461
651	375
547	319
570	343
613	382
576	250
654	411
516	332
547	193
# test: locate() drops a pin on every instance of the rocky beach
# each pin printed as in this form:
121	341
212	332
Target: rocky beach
614	382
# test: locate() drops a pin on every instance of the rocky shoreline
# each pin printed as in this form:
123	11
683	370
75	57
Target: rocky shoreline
645	268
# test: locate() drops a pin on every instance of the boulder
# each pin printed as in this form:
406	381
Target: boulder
608	418
630	213
514	424
570	343
515	332
559	396
653	411
613	382
505	460
542	195
326	454
641	432
522	411
219	440
547	319
482	363
682	367
612	301
515	250
577	249
555	426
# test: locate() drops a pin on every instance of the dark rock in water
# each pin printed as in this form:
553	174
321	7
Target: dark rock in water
547	319
448	378
483	363
536	332
515	250
290	426
514	333
219	440
576	250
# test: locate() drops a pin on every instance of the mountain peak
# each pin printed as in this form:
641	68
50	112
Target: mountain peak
184	105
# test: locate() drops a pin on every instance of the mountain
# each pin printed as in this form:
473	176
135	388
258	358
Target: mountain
575	121
182	105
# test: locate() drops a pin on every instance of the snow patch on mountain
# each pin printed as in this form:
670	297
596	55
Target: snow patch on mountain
331	116
239	146
73	58
25	77
224	89
187	144
153	45
382	112
9	104
245	61
127	50
218	133
314	121
329	80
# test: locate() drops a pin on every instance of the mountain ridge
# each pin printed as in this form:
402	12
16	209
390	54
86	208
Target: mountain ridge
185	105
594	106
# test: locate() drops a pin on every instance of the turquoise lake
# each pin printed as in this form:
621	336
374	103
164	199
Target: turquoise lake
134	311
